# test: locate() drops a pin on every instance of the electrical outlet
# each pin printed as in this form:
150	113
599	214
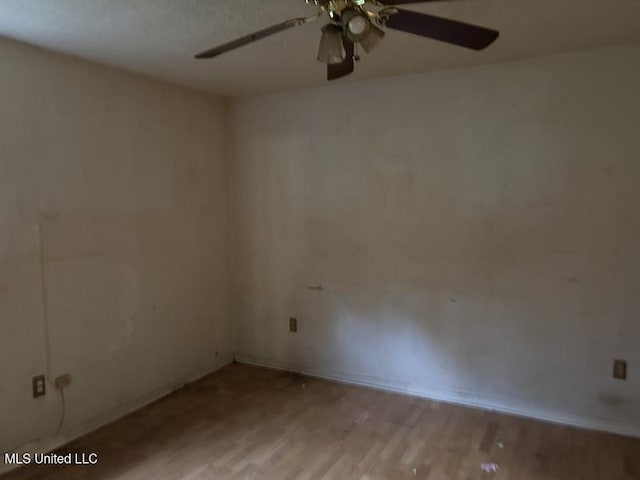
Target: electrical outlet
62	381
38	386
293	324
620	369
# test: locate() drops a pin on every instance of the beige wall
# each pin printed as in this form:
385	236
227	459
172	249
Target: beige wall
125	178
475	233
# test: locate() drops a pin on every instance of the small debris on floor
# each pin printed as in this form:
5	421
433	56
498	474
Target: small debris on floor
500	445
489	467
415	471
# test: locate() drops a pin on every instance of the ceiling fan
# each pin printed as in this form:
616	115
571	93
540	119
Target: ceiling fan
354	23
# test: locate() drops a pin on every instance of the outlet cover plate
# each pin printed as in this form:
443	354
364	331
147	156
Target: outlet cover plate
38	386
620	369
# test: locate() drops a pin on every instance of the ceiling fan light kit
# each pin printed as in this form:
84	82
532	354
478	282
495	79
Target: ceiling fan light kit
331	49
354	23
372	40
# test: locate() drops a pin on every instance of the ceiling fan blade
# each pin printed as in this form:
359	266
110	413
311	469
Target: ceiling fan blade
443	29
347	66
253	37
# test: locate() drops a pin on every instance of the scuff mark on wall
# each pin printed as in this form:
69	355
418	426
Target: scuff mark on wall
129	285
613	400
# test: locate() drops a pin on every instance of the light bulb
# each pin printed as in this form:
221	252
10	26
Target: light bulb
358	25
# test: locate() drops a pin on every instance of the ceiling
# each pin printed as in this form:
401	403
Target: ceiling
159	37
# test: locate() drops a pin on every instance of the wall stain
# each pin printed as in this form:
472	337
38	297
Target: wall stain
610	172
611	400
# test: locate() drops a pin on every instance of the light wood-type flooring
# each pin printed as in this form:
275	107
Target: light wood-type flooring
249	423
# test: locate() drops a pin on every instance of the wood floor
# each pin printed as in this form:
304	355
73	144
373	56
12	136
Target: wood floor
249	423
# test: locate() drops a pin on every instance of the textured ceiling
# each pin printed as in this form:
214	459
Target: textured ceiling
159	37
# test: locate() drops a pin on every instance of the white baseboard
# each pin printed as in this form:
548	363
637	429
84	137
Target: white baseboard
467	400
46	445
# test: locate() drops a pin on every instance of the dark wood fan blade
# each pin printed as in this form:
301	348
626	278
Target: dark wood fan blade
253	37
347	66
443	29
